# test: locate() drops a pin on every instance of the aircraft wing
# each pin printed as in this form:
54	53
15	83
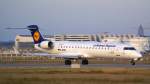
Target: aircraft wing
35	54
62	55
67	55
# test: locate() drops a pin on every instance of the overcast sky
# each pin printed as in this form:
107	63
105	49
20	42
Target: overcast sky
74	16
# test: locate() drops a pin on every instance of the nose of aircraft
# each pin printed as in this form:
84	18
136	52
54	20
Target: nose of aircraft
139	55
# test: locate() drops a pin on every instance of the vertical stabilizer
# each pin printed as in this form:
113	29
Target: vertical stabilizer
37	37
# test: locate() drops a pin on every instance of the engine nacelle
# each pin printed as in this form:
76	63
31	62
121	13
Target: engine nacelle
47	45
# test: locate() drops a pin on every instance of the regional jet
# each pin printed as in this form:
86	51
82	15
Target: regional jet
81	50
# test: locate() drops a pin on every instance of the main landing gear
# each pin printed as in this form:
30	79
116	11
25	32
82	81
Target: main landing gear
84	62
68	62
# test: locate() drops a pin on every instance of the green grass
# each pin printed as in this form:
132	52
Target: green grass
74	76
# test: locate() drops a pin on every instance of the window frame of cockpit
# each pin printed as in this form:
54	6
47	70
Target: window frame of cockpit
129	48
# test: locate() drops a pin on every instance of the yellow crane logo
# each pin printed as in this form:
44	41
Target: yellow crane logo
36	36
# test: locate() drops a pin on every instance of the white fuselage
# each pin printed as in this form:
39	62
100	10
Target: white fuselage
92	49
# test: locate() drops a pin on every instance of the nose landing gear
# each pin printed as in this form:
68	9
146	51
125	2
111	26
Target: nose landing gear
132	62
135	60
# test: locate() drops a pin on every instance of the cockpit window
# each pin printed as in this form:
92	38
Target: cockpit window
129	48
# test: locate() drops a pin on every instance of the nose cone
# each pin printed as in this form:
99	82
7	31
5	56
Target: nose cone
139	55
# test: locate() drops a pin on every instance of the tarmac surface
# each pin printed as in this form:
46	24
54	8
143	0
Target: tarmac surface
82	66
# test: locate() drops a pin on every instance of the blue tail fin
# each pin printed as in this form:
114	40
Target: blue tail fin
37	37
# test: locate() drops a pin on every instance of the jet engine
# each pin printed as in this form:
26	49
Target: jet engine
47	45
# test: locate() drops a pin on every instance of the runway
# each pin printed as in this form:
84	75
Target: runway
82	66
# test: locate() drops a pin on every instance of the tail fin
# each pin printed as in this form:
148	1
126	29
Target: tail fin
37	37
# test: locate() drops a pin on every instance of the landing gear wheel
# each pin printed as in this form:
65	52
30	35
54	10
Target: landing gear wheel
132	62
85	62
67	62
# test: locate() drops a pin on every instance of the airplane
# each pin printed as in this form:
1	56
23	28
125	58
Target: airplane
73	50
